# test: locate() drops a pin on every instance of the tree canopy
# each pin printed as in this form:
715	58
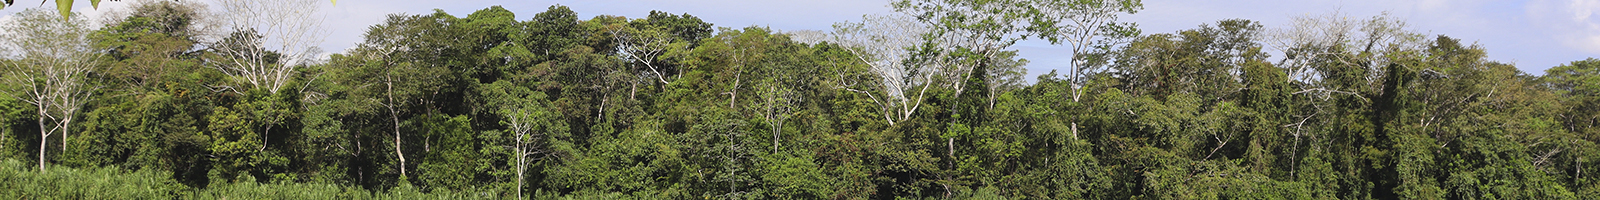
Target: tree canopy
928	103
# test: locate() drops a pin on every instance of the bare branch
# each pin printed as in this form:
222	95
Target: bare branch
271	38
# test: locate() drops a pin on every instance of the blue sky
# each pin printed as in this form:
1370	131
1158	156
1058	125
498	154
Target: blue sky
1533	34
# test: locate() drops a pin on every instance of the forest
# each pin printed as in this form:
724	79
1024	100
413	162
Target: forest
179	100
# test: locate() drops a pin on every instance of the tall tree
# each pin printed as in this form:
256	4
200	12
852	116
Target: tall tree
1579	84
885	43
1090	28
533	127
392	60
983	29
52	74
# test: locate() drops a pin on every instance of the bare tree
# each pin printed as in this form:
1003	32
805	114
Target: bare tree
530	123
643	46
1342	41
271	38
1005	73
909	56
809	36
1088	27
778	102
56	57
522	125
1311	37
884	43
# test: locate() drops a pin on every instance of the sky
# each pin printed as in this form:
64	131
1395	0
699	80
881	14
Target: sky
1532	34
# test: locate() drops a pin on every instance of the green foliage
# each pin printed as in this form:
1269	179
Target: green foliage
435	106
23	180
14	116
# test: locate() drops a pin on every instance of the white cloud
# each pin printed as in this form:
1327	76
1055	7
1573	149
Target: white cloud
1575	22
1583	9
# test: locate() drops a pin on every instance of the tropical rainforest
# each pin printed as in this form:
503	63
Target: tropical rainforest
930	102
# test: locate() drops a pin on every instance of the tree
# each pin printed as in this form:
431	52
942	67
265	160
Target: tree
393	62
531	124
149	113
1313	42
65	6
270	40
1089	27
1578	83
152	39
653	41
1004	75
57	59
884	43
968	32
646	46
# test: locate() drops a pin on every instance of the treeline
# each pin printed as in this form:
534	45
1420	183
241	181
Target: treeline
670	107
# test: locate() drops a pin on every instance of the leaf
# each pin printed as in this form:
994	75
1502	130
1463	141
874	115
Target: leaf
335	2
65	6
95	4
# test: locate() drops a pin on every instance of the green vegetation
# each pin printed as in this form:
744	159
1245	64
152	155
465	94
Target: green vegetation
436	106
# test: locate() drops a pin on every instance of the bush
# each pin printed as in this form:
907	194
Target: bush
25	181
22	180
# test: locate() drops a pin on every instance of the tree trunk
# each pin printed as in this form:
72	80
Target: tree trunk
951	144
264	132
64	133
44	137
776	133
521	166
1074	130
395	116
397	153
771	118
44	140
733	94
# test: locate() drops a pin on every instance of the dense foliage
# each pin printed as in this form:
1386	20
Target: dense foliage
671	107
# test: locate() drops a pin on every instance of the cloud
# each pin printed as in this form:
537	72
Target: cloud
1575	22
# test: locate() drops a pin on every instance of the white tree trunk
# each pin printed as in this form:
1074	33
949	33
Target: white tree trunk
44	135
394	116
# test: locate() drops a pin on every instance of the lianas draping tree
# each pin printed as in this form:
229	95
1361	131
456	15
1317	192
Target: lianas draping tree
966	40
925	103
267	44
